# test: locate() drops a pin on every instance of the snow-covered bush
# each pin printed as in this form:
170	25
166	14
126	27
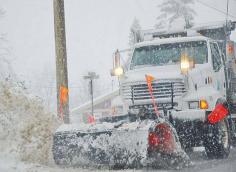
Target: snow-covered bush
25	127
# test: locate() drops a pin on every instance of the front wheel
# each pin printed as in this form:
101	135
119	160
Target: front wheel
217	140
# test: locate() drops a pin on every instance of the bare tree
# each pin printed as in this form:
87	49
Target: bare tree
45	87
172	10
134	35
6	70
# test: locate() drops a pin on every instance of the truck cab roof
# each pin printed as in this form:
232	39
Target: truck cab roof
171	40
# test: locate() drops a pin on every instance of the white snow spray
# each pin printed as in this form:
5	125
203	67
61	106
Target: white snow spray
25	127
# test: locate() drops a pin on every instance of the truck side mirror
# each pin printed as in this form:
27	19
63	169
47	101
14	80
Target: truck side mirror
117	68
117	59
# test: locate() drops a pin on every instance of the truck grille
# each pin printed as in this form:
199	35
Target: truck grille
161	89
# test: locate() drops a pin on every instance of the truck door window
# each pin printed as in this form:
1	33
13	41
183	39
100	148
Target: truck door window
216	58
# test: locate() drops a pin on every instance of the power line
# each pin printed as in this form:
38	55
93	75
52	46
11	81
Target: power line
216	9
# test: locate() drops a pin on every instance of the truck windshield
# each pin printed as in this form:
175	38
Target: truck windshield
165	54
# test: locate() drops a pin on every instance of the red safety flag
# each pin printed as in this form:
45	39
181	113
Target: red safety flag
91	119
167	138
219	113
149	80
163	138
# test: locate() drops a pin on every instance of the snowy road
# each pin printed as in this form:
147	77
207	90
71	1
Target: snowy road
204	165
8	164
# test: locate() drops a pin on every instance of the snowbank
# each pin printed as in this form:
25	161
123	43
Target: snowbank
25	127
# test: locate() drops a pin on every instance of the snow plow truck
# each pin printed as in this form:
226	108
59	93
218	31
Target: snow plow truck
179	89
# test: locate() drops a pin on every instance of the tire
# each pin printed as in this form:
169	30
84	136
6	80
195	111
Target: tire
217	140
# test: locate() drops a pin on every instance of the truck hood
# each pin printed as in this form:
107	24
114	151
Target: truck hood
158	72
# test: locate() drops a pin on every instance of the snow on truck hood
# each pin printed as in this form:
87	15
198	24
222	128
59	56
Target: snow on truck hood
158	72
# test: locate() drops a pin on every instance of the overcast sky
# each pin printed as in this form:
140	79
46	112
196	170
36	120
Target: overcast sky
94	28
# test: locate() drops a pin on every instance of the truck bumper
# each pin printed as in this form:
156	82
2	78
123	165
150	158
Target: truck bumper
190	114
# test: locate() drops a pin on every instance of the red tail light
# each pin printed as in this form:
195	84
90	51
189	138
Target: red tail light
153	139
217	114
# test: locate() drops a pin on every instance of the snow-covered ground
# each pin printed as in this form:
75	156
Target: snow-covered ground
11	164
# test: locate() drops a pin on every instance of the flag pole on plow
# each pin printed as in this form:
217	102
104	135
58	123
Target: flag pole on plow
149	80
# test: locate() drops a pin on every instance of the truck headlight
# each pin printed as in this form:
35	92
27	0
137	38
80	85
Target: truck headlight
186	63
193	105
119	71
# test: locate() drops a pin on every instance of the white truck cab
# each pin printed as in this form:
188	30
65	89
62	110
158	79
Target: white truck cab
205	80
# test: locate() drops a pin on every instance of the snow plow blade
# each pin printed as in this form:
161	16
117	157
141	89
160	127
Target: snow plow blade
124	145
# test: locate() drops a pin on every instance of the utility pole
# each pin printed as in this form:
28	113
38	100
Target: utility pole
91	76
61	58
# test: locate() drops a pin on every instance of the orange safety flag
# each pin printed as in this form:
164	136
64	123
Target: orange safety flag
218	114
63	94
63	99
149	80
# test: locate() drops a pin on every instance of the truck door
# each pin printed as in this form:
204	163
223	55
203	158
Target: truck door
219	75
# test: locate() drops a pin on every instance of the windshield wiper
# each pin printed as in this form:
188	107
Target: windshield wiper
141	66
